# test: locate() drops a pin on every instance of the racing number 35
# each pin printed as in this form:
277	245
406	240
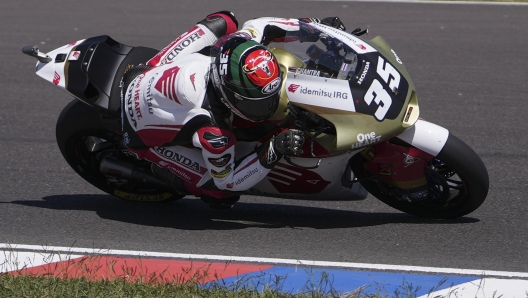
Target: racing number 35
377	92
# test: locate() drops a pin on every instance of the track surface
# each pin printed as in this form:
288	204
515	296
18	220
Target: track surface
467	61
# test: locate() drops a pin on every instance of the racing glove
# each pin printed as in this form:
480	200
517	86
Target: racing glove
289	142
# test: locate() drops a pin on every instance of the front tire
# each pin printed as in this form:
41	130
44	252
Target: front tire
457	178
84	140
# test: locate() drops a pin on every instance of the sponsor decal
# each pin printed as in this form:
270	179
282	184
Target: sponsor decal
166	84
230	185
126	139
179	173
222	174
180	159
260	67
215	140
74	55
309	72
361	46
130	108
293	87
56	78
319	92
181	45
221	161
385	169
409	160
272	86
149	97
71	44
396	56
366	139
137	93
248	174
192	80
364	73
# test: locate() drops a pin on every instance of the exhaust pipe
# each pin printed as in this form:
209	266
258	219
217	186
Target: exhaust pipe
113	167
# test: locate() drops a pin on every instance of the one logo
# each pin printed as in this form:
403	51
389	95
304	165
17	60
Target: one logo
56	78
293	87
167	83
221	161
272	86
192	80
216	141
260	67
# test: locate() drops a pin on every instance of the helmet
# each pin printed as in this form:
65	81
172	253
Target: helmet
247	77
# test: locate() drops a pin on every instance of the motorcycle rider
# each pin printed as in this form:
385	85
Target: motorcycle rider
180	100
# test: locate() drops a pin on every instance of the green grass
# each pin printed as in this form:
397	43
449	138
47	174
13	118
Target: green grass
32	286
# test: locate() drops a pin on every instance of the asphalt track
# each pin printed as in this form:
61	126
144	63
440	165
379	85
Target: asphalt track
468	63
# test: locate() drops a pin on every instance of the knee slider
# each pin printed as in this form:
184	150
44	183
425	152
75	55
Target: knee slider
221	23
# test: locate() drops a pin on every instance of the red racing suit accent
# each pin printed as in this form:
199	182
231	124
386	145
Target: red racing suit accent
166	118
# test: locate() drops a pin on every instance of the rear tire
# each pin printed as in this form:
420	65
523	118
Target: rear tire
78	128
457	176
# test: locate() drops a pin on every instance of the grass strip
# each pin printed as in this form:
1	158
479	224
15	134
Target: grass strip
39	286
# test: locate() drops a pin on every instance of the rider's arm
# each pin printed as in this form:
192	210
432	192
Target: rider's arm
268	29
218	149
205	33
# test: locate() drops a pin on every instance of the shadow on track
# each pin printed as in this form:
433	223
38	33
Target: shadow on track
193	214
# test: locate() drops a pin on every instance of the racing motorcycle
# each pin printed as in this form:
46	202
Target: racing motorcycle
351	95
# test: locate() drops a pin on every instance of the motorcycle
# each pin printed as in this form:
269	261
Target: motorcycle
352	96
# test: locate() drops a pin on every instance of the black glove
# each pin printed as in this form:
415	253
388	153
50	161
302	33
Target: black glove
289	142
334	22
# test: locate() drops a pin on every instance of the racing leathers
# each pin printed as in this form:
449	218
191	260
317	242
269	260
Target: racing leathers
172	117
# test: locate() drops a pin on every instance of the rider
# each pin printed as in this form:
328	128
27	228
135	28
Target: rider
172	103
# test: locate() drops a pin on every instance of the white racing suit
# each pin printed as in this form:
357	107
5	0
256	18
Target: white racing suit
167	117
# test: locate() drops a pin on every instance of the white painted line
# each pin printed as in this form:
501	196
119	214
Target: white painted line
431	2
14	260
484	288
273	261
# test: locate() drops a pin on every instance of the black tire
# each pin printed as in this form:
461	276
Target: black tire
457	175
76	124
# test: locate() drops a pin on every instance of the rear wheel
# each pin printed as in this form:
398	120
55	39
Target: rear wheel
457	184
84	140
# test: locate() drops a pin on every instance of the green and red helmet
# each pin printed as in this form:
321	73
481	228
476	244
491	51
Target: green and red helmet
247	77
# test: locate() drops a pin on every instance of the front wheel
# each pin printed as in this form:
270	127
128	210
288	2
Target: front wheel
84	141
457	184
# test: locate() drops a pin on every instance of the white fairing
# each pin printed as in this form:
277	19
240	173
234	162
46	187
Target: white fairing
426	136
324	182
53	71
